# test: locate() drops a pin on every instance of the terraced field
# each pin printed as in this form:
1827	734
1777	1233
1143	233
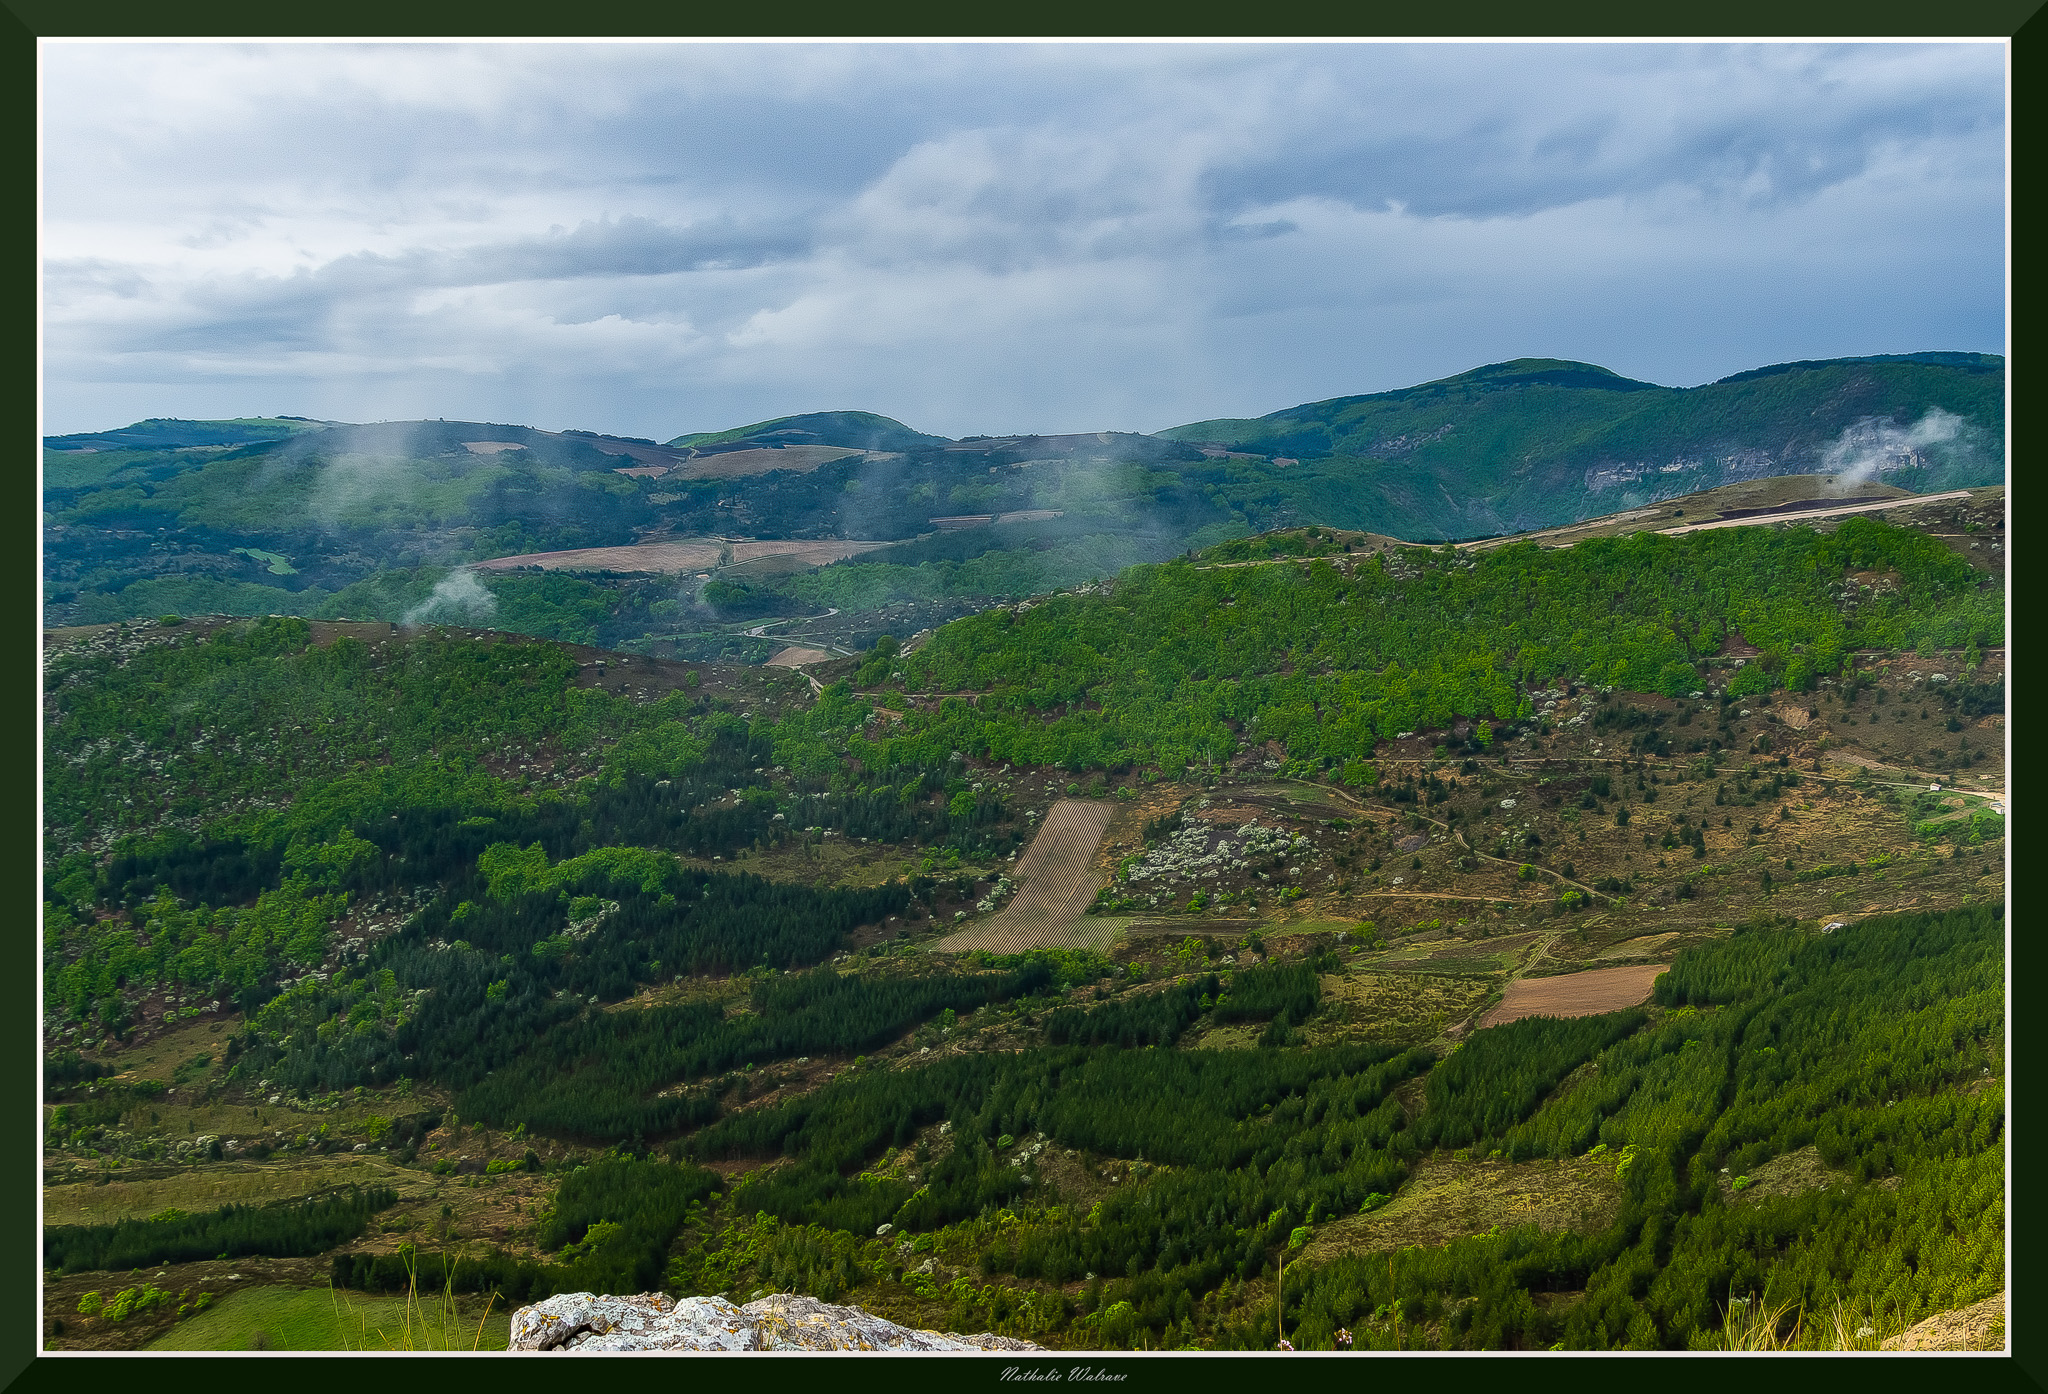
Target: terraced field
1056	882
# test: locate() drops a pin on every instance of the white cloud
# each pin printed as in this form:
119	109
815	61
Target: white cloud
1870	446
651	238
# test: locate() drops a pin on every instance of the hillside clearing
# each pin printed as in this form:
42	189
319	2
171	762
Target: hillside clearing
1575	994
1448	1199
738	464
1055	886
795	657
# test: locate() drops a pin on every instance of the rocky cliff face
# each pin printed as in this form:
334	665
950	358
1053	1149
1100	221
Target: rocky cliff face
654	1321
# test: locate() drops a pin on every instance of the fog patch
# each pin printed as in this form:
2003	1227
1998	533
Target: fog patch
459	598
1877	445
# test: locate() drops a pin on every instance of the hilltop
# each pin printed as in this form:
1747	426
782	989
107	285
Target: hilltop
859	430
822	531
167	433
1540	442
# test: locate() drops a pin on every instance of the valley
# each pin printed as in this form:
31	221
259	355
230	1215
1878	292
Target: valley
685	549
1059	971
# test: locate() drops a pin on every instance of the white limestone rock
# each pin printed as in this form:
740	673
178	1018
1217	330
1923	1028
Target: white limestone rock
651	1321
790	1322
780	1321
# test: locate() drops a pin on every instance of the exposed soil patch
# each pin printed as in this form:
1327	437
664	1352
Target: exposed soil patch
1056	883
794	657
1792	716
1575	994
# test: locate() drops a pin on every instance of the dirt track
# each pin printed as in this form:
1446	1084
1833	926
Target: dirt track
697	555
1575	994
1795	515
1055	886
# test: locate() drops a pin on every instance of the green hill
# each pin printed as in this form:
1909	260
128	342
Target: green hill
170	433
859	430
1539	441
366	520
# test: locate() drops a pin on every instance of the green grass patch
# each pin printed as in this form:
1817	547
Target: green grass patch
278	565
321	1319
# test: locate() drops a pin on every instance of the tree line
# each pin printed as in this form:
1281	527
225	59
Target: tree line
284	1230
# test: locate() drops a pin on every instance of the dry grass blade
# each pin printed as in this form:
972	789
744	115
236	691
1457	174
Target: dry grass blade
1749	1324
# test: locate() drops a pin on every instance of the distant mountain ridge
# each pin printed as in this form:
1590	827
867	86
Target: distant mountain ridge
1507	447
1535	442
172	433
1982	362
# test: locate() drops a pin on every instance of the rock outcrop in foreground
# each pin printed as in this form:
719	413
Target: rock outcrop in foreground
1979	1326
783	1321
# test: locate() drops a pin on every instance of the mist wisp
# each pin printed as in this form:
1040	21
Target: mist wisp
1877	444
458	598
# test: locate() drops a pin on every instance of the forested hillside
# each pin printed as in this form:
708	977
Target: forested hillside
1252	1158
1179	665
331	520
566	969
1537	442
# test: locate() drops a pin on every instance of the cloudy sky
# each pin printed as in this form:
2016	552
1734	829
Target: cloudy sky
651	239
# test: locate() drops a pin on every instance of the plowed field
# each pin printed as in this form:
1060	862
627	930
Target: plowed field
1056	880
1575	994
737	464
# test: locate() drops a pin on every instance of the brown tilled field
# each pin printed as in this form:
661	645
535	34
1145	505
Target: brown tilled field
1575	994
736	464
816	553
1055	886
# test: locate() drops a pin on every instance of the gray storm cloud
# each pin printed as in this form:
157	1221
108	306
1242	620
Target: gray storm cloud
643	238
459	598
1877	444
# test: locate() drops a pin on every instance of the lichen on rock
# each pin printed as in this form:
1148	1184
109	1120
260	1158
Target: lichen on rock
780	1321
